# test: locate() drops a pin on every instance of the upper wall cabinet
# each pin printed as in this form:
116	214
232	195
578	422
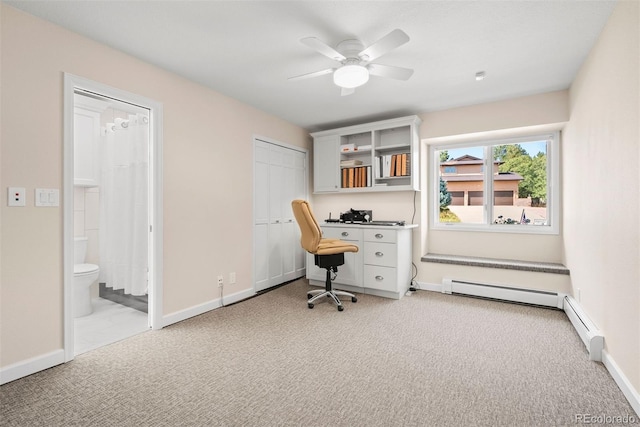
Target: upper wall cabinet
378	156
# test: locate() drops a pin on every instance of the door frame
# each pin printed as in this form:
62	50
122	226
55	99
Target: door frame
71	83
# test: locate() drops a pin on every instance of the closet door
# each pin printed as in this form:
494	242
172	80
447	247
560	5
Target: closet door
294	185
276	235
280	177
288	223
299	192
261	215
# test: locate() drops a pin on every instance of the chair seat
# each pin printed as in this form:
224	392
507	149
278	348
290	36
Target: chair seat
334	246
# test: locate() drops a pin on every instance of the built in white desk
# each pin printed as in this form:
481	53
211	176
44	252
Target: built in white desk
382	266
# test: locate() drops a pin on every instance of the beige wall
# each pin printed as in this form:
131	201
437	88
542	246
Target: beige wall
517	114
520	113
601	150
205	209
207	177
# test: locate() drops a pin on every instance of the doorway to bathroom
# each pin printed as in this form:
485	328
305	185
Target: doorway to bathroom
113	221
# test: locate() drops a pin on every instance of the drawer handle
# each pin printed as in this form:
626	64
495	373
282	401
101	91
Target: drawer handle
379	254
379	278
379	236
345	234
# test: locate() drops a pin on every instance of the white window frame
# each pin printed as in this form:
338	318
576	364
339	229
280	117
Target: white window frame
553	185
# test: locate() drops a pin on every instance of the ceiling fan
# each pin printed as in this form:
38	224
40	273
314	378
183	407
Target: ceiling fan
355	61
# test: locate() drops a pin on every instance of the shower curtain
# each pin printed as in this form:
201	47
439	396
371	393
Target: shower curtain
124	205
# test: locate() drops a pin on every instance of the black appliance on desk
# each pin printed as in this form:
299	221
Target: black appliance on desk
353	216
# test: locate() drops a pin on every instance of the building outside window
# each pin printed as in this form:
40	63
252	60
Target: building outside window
497	185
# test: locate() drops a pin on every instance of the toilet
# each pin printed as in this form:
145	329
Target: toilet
84	275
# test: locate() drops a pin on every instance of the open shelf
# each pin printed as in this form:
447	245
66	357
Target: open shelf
370	148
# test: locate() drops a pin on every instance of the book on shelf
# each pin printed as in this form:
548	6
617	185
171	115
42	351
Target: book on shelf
353	162
356	177
392	165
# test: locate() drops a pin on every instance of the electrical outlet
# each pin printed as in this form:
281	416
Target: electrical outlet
220	281
16	196
232	278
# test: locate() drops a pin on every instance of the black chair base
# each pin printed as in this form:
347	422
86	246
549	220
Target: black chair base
331	264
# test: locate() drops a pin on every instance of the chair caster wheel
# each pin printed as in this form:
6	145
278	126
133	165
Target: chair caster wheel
309	296
340	308
310	305
354	299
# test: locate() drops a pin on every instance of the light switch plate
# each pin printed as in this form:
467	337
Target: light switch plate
47	197
16	196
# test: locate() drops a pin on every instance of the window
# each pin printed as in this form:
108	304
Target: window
506	185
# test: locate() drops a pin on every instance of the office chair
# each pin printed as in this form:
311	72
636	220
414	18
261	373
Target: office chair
328	253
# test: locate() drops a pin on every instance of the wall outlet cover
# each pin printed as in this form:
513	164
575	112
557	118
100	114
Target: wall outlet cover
16	196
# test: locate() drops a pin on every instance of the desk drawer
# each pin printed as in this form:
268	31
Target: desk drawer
382	278
342	233
383	254
380	235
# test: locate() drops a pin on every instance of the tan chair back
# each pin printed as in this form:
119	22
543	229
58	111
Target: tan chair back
311	234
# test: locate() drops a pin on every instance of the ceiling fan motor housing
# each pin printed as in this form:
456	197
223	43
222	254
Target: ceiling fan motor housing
350	49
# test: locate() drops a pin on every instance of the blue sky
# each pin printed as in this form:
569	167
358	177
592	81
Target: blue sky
533	148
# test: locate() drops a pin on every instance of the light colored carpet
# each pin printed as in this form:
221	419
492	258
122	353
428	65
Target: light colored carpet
426	360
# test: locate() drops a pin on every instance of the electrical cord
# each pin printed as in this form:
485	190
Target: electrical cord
414	207
413	285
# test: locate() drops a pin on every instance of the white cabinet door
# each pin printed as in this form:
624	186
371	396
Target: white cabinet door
348	274
351	272
326	164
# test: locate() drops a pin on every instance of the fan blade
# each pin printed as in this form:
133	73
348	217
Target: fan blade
347	91
323	48
389	42
398	73
314	74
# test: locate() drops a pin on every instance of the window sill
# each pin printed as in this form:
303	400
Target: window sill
497	228
539	267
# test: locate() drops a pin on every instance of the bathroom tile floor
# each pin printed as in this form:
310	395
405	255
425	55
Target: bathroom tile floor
109	322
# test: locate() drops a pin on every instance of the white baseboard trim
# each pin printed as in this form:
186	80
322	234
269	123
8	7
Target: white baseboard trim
435	287
238	296
31	366
196	310
187	313
623	382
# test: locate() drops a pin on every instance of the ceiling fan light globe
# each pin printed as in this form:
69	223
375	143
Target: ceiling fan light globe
351	76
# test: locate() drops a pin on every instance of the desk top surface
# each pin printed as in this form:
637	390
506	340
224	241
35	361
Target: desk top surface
365	225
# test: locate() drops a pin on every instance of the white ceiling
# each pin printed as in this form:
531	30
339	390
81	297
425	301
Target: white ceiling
247	49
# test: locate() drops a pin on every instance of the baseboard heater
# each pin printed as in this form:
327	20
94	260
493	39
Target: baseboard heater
504	293
588	332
